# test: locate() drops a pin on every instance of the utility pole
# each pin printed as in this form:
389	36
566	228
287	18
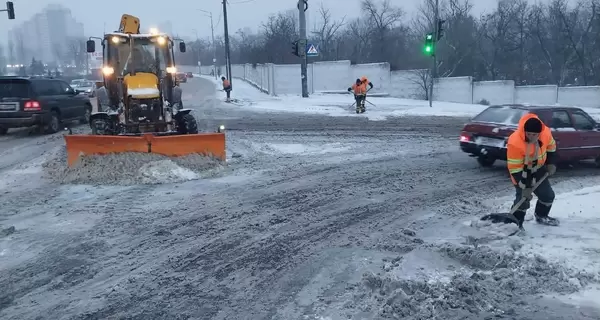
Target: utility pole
227	56
434	60
302	7
214	45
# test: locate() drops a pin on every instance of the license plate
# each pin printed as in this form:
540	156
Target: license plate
490	142
8	107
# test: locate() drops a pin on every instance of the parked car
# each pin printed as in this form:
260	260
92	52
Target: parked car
181	78
43	102
576	133
189	74
86	87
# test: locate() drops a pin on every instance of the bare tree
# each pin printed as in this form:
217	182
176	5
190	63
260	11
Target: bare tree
382	19
326	32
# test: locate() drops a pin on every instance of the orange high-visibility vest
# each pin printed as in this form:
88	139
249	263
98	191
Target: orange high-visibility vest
517	148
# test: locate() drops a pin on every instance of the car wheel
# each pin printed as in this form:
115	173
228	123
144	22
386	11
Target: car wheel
86	116
3	131
54	125
486	161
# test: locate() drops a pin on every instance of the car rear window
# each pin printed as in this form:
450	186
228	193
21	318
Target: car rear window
503	115
14	88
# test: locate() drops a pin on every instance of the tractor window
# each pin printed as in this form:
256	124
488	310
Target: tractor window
143	57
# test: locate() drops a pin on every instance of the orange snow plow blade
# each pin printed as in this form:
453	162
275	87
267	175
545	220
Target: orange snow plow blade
210	144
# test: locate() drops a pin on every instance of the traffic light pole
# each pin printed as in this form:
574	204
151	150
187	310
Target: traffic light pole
302	7
227	55
434	56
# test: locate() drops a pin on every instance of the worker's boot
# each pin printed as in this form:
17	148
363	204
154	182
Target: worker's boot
542	210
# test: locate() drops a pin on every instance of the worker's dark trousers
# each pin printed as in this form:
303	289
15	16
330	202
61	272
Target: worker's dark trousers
228	92
545	196
359	99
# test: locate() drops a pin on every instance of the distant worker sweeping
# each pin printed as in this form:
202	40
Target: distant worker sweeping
531	152
227	88
360	93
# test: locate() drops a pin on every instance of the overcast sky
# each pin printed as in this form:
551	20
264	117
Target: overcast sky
185	16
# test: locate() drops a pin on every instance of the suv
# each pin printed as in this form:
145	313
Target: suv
576	133
43	102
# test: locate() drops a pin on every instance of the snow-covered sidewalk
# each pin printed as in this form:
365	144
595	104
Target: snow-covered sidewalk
341	105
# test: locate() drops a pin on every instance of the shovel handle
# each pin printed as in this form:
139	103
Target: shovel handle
518	204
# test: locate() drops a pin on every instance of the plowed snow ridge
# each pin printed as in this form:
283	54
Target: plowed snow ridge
130	169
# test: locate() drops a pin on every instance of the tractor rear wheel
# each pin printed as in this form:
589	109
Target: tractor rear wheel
187	124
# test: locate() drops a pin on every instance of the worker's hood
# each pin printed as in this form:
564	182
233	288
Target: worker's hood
521	127
142	86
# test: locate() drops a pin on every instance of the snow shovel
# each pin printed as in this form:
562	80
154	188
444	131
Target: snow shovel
509	217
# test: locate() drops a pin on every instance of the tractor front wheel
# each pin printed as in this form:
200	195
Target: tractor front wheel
187	124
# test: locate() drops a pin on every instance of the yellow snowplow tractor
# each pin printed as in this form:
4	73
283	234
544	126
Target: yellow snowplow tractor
139	81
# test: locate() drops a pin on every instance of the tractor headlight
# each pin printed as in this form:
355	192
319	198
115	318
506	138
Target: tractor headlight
107	71
172	70
161	41
115	40
221	128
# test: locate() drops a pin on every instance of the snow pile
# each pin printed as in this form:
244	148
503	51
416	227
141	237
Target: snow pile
489	283
130	169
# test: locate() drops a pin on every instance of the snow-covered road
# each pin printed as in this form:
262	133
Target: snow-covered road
318	215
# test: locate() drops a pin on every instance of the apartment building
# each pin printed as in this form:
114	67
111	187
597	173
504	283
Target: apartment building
45	36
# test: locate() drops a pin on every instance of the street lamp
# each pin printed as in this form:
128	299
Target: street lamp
212	30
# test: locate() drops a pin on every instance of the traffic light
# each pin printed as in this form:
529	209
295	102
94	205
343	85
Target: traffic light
295	48
10	9
440	29
428	49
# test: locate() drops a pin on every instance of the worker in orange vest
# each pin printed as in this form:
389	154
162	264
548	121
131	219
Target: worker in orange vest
360	92
227	88
531	152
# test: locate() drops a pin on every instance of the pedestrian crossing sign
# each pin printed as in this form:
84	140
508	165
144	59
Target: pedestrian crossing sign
312	51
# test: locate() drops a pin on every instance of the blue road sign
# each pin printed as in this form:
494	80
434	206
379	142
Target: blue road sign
311	50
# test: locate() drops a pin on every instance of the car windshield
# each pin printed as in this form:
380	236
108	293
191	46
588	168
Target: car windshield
14	88
501	115
141	58
76	83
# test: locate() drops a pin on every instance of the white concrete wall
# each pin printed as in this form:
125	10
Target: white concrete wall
336	76
542	95
377	73
409	84
583	97
495	92
331	76
454	89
